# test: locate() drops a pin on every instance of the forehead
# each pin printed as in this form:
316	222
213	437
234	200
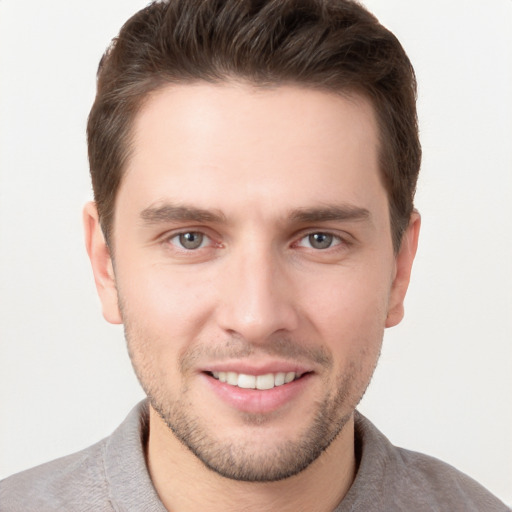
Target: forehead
232	144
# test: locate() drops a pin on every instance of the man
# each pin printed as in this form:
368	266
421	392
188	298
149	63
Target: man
254	167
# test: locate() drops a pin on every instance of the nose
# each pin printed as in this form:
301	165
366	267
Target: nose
257	296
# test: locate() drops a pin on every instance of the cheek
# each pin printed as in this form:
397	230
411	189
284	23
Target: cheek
349	320
163	310
349	310
163	293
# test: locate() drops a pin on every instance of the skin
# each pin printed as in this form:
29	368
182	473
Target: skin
255	173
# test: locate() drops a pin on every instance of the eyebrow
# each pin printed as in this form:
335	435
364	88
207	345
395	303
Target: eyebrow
173	213
330	213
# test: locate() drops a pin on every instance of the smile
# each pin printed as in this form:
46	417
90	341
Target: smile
262	382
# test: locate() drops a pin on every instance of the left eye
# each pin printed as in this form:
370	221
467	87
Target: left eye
319	241
190	240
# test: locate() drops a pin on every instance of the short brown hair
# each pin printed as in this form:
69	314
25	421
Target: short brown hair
333	45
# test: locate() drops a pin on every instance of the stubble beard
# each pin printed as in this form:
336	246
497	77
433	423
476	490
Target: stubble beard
239	459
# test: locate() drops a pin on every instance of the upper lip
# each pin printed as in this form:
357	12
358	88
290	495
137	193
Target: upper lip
249	368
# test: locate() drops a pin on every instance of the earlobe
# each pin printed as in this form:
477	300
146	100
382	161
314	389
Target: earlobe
101	262
404	261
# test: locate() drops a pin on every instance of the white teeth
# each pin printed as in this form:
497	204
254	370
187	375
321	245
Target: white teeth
232	378
289	377
265	381
246	381
262	382
279	379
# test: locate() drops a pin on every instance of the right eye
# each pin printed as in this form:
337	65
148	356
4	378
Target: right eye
190	240
320	241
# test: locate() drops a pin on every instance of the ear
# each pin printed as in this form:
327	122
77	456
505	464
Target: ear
403	267
102	266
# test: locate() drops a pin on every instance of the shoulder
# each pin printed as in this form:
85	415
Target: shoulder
110	475
71	483
440	485
392	478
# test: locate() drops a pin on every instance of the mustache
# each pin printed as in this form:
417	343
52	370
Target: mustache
237	347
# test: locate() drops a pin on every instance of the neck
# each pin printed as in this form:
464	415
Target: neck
184	484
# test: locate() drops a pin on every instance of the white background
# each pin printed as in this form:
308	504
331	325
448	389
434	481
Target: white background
444	384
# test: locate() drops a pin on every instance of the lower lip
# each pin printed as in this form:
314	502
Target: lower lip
255	400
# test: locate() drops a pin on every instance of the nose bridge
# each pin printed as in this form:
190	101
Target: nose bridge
257	298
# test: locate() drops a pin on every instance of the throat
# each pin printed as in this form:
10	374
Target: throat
183	482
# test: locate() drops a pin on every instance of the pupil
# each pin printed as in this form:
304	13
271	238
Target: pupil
320	240
191	240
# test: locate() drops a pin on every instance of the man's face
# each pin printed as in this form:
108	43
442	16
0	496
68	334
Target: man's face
254	269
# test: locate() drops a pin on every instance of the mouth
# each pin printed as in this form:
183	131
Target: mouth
259	390
260	382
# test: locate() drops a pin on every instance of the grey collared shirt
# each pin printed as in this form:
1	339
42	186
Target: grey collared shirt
112	476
